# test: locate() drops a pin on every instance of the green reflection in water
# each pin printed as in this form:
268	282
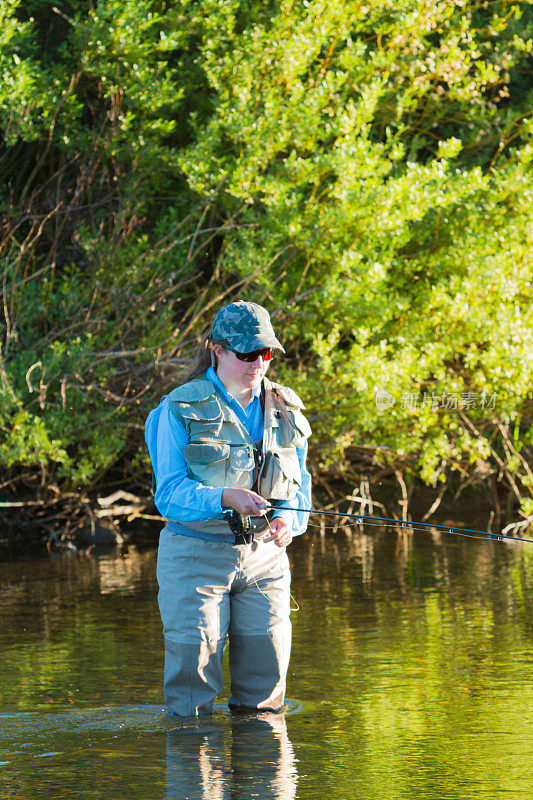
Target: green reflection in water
412	658
423	667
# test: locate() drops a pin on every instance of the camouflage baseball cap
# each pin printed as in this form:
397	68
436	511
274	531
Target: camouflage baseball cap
244	327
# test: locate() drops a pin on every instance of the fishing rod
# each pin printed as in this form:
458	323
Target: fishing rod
470	533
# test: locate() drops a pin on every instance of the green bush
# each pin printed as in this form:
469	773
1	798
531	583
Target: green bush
362	169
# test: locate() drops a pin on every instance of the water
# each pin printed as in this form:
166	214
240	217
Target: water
410	679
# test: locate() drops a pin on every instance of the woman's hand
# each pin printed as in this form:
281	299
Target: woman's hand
246	502
281	533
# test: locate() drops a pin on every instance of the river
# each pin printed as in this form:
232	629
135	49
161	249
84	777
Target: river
410	679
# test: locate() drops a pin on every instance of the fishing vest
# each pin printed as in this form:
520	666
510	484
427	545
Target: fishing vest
221	452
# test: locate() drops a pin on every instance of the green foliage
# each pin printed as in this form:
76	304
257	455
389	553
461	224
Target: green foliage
385	177
364	169
28	442
100	235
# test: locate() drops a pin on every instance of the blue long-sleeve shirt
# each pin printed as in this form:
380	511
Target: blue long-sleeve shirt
178	496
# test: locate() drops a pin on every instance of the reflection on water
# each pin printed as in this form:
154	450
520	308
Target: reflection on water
120	574
411	655
252	758
227	755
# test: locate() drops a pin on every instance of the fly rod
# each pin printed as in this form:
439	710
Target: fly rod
470	533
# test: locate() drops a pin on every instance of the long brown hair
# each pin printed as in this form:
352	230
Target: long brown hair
202	359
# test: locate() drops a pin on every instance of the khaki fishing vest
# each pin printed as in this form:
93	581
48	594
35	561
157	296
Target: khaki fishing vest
221	452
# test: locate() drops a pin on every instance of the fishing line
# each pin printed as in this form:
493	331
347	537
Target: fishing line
469	533
405	527
295	601
381	522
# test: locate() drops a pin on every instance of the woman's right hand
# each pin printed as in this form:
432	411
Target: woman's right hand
246	502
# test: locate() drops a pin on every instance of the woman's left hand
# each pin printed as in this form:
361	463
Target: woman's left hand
281	533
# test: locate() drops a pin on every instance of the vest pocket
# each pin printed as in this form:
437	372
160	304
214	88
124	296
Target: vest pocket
281	475
206	453
202	419
207	462
241	466
220	463
300	430
241	457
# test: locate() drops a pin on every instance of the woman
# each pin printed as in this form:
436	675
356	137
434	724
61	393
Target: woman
225	445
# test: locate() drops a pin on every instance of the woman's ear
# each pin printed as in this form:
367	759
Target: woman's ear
216	350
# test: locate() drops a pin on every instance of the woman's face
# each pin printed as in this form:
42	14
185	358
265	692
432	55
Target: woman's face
239	374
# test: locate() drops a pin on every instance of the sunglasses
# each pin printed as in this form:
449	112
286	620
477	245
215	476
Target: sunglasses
266	354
